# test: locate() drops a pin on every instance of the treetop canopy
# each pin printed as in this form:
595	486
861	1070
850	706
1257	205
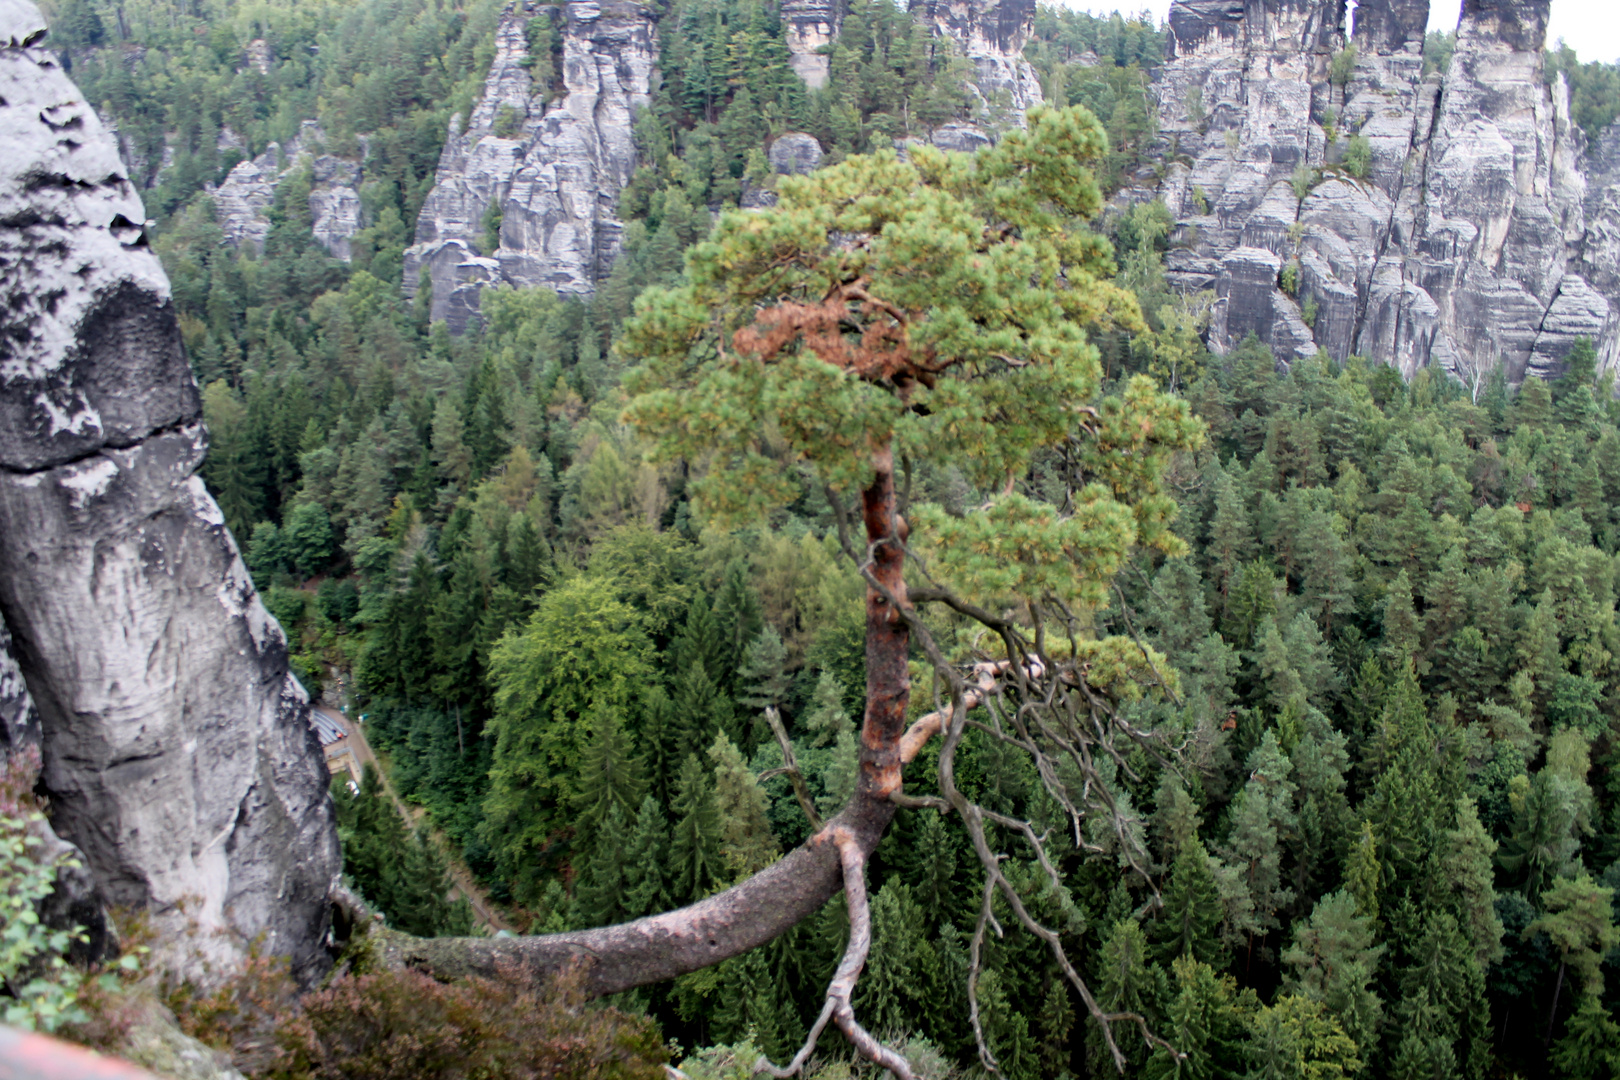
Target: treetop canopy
933	306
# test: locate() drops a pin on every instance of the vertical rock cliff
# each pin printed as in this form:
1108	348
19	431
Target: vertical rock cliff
177	750
244	198
810	26
992	35
553	170
1344	201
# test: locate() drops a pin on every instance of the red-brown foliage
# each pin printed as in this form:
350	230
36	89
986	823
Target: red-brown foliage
406	1026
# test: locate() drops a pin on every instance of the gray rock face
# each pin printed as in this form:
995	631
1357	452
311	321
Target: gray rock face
178	753
992	34
243	199
795	154
810	26
1480	235
554	169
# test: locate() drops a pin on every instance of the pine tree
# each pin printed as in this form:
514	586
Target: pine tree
1189	921
1205	1023
746	843
738	614
1262	813
1126	982
696	866
1231	534
888	989
826	721
600	894
1402	630
700	642
1468	878
1364	873
762	677
610	772
1590	1047
1334	957
646	856
1295	1039
700	709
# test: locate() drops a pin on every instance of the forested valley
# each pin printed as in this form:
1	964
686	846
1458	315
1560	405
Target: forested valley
1380	836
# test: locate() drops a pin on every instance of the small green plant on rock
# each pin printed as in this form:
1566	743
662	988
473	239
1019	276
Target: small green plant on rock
1304	179
1343	66
1290	278
44	990
1358	157
1309	312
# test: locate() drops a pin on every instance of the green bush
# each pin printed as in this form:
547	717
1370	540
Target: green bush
1358	157
1344	65
45	991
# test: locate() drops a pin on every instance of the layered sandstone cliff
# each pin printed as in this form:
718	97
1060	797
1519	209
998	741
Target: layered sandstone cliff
177	752
1470	236
244	198
552	170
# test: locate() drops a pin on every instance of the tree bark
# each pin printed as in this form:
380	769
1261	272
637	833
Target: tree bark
773	901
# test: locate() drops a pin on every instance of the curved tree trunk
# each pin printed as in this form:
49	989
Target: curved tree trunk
773	901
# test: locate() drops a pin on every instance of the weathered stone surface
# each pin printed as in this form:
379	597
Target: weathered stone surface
810	26
555	171
962	138
243	199
992	35
795	153
1390	26
19	720
1481	236
178	754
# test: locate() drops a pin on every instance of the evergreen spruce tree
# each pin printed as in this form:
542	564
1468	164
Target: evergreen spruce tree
645	862
600	894
1261	815
1205	1022
762	676
826	721
1334	960
696	865
1189	922
1467	877
738	615
610	772
1296	1039
1590	1047
746	843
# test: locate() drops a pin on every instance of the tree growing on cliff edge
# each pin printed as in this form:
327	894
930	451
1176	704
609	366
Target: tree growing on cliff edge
885	314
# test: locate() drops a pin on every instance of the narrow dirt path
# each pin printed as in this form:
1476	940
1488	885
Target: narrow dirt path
483	911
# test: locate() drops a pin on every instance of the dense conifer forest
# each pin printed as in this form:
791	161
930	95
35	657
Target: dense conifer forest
1388	842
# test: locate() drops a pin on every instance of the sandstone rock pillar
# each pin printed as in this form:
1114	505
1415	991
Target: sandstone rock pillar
177	750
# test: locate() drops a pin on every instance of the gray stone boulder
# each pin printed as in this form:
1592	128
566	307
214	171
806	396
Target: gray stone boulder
177	751
795	153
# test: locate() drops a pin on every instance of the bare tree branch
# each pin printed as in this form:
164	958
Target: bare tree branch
839	1008
790	768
